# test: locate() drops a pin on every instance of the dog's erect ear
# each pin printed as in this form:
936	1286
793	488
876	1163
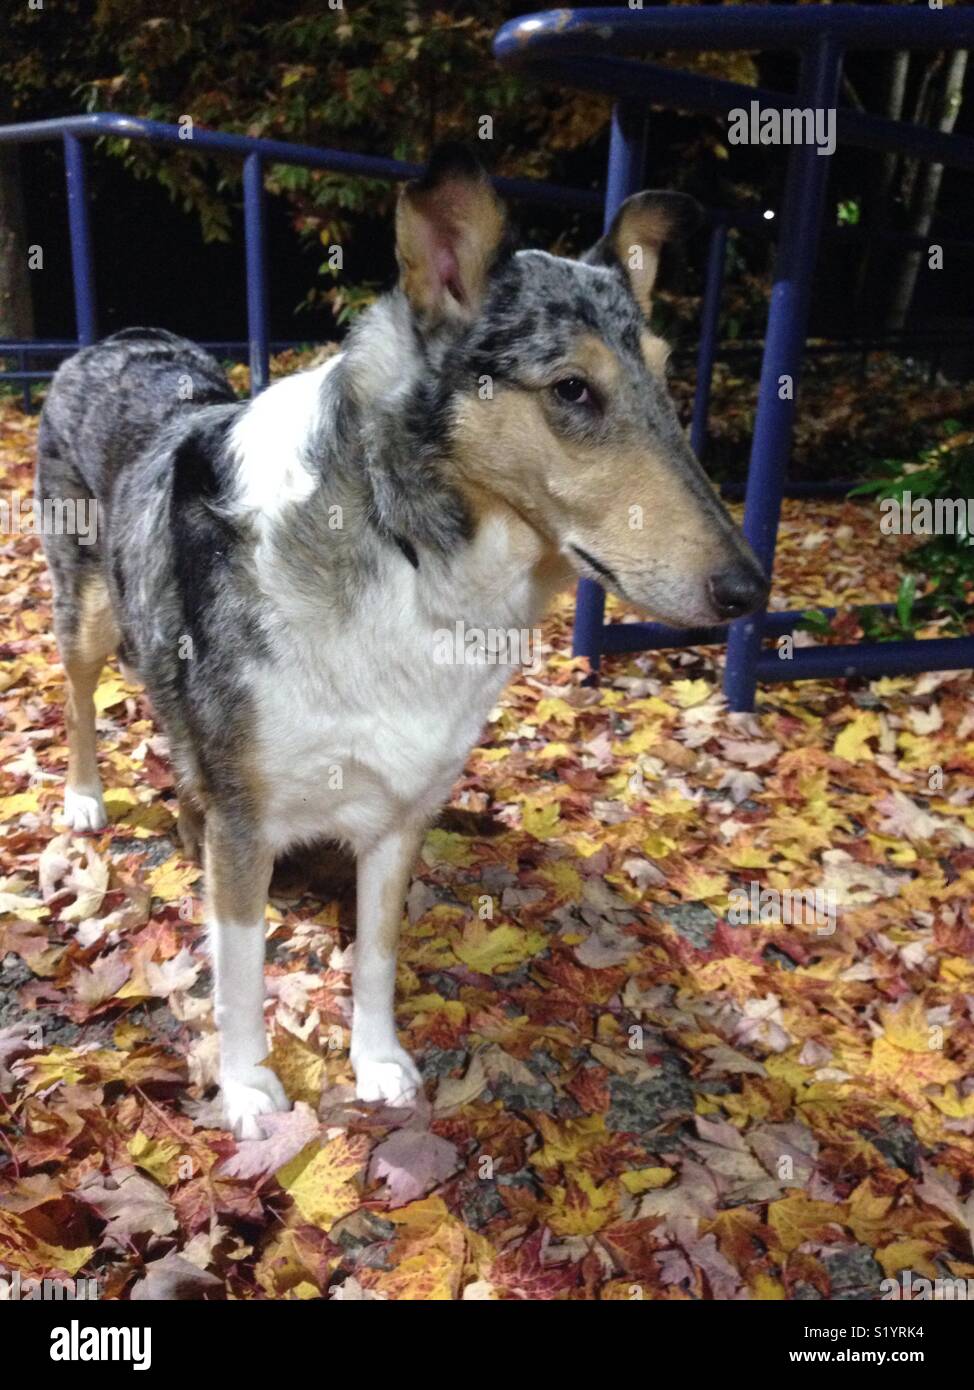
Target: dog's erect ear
637	234
450	227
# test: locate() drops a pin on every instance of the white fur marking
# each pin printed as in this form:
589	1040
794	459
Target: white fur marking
83	811
249	1089
269	441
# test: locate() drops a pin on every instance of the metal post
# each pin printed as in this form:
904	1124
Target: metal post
79	225
709	323
25	398
784	346
627	161
256	260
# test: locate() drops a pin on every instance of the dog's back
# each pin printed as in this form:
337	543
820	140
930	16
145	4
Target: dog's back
109	401
106	409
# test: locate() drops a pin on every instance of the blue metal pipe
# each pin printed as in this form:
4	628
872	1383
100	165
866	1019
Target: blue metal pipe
627	162
638	637
801	220
255	255
689	91
709	326
79	225
869	659
623	30
107	123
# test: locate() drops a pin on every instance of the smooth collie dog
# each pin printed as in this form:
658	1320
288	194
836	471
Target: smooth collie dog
276	572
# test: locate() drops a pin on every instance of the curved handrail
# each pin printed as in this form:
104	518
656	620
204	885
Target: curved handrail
594	50
553	33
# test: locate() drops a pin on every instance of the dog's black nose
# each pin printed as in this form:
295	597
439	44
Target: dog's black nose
737	591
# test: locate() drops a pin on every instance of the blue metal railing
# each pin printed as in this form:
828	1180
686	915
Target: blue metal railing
255	154
589	49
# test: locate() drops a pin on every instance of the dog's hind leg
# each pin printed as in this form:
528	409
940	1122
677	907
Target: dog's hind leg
84	625
86	636
238	874
190	825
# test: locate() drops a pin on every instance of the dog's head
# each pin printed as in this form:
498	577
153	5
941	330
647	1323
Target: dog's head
556	392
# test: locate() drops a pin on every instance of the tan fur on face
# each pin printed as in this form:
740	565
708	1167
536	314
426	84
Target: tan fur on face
622	502
596	362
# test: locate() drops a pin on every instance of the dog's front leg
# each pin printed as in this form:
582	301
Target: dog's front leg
383	1069
238	873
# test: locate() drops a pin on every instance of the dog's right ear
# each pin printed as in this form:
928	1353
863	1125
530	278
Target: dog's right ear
639	229
450	227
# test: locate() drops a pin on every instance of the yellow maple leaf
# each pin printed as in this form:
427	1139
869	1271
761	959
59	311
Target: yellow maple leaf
748	856
953	1105
690	693
564	877
766	1289
583	1207
641	741
298	1067
145	819
23	1249
852	741
639	1180
868	1211
112	691
497	950
541	819
172	879
429	1267
18	804
907	1027
909	1073
797	1218
157	1157
554	710
697	884
58	1064
565	1142
321	1183
731	972
908	1254
445	847
957	970
551	751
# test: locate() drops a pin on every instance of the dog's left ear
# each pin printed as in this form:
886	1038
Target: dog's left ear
450	227
634	241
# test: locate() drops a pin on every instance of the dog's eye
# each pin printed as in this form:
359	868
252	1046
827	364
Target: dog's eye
575	390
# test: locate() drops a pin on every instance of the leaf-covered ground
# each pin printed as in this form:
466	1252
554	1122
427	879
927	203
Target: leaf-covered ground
627	1095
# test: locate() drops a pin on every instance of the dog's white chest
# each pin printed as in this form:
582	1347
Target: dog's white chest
352	772
363	729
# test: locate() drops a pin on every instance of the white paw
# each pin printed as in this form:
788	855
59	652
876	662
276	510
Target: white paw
84	812
248	1094
392	1077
